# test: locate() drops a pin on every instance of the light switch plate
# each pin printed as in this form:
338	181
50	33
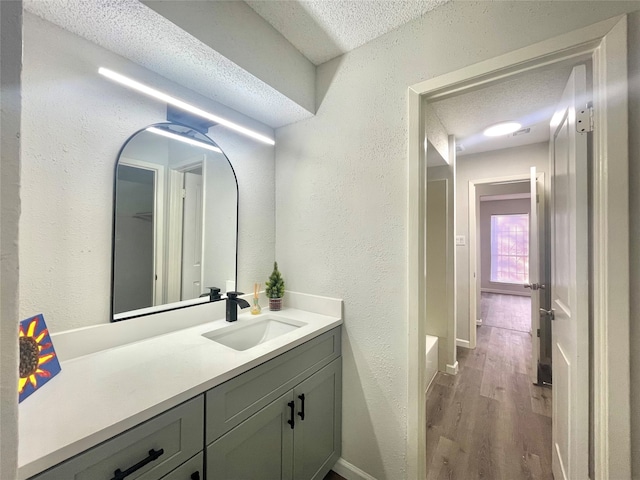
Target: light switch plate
460	240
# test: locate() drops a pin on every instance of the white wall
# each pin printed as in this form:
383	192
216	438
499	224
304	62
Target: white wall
634	220
341	197
74	123
10	67
499	163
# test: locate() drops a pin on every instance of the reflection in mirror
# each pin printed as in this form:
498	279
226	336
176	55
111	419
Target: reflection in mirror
175	221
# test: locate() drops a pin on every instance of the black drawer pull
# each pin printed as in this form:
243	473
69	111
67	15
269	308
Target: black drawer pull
292	421
153	455
301	412
195	476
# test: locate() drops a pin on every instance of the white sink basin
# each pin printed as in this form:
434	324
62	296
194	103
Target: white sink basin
249	333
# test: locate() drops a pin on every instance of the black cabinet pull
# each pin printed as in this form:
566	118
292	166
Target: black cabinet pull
153	455
195	476
301	412
292	421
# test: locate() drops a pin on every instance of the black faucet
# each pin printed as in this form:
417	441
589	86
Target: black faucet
233	302
214	294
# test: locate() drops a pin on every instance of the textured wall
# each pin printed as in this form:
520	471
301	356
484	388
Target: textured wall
341	196
74	123
10	67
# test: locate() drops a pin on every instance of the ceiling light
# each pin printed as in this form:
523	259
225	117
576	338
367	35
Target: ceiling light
503	128
180	138
182	105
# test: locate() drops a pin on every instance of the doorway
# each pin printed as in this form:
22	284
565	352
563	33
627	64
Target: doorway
608	228
492	417
139	223
509	262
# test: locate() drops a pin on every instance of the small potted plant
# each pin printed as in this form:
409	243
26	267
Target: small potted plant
274	288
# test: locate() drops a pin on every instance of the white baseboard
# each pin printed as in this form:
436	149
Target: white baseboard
349	471
452	369
479	322
462	343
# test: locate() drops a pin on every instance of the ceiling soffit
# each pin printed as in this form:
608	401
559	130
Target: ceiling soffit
323	30
134	31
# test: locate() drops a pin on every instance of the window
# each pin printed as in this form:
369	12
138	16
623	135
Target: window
510	248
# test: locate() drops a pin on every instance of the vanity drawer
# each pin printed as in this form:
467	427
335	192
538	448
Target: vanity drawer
177	433
190	470
236	400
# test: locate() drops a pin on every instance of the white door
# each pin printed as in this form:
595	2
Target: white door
192	236
569	284
534	275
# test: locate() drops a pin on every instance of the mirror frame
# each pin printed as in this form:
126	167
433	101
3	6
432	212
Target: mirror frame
142	312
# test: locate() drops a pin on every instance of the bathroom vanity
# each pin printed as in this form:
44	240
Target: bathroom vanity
185	405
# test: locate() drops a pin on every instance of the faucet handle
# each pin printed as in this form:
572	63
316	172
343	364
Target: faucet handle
214	294
233	295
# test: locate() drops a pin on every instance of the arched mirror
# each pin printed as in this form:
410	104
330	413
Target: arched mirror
175	221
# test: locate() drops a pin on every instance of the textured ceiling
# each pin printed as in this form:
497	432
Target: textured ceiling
529	99
136	32
324	29
320	30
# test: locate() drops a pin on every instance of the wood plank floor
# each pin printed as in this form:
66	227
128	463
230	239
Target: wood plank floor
512	312
490	421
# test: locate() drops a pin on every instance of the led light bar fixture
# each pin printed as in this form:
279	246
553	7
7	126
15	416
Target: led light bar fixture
152	92
180	138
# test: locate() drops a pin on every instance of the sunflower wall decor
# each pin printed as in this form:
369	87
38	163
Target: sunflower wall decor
38	360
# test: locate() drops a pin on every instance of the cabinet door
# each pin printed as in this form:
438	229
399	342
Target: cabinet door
231	403
317	437
260	448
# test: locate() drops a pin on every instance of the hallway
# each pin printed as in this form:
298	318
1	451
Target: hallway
490	421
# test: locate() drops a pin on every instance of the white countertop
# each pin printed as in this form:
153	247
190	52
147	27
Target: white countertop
102	394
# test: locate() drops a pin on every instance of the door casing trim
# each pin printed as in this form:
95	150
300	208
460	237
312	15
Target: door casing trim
605	43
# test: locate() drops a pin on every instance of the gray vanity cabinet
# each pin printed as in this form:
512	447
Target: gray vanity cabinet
295	437
280	420
148	451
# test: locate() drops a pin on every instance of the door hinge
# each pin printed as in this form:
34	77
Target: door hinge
184	193
584	120
538	331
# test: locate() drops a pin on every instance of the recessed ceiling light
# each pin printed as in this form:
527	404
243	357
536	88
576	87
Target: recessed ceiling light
152	92
502	128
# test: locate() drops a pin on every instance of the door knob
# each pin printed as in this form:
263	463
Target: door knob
549	313
534	286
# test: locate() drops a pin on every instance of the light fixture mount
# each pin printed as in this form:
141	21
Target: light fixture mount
199	124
